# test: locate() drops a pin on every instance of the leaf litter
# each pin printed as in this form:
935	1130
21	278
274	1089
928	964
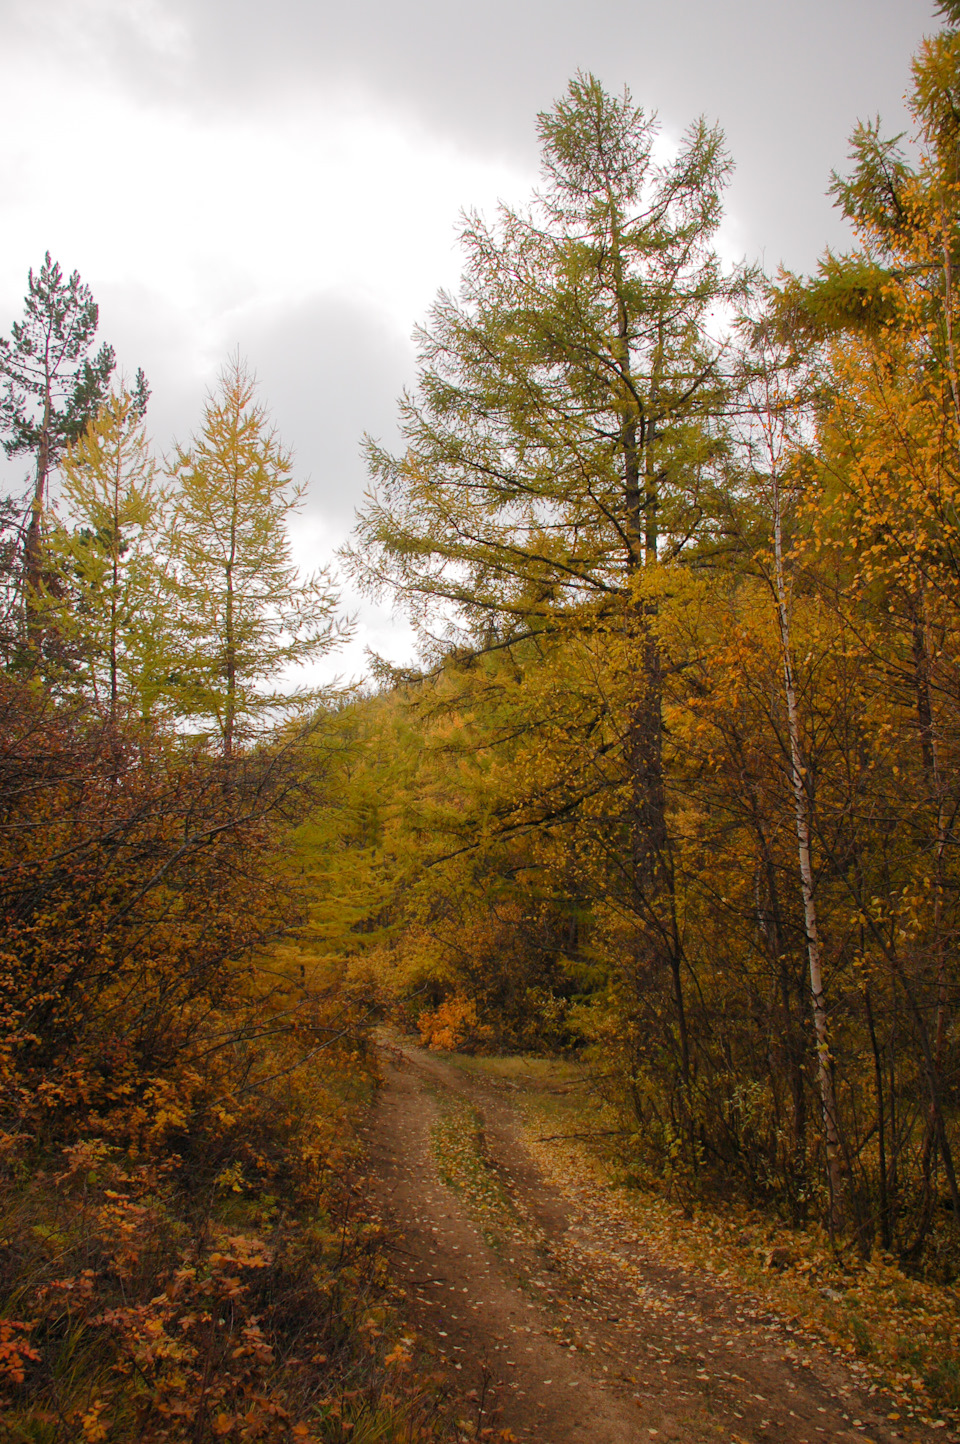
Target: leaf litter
614	1302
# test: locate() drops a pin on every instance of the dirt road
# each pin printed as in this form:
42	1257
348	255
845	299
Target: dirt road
552	1320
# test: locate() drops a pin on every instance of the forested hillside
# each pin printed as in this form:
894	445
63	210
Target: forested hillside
682	542
673	788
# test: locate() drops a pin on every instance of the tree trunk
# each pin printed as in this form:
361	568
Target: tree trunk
33	541
801	798
230	643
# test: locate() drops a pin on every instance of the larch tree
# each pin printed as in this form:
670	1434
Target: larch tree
562	424
878	546
561	438
891	443
243	613
112	575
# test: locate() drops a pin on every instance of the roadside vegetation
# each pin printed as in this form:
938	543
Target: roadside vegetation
186	1248
674	789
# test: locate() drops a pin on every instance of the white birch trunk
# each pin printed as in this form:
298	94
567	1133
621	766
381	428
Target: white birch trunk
802	816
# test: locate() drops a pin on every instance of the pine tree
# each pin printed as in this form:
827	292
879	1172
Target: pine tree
53	385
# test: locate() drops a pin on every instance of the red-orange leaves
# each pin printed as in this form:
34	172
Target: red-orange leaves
16	1351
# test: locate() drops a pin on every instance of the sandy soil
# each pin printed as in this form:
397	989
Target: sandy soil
550	1321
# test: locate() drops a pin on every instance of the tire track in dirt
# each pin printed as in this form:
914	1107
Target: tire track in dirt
550	1320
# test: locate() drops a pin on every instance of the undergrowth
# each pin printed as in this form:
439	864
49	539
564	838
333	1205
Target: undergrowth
230	1285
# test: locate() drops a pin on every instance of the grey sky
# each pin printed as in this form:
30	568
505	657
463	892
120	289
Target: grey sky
786	80
287	177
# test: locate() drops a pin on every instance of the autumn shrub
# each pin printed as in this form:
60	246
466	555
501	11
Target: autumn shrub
139	1310
184	1248
145	1310
452	1024
472	976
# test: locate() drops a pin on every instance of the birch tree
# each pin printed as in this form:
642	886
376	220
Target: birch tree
774	444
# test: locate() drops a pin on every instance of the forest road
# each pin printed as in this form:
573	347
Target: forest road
549	1320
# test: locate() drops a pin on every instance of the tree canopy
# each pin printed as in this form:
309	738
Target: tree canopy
566	411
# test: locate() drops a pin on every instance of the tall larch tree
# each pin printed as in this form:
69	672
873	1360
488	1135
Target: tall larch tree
244	614
891	485
113	594
560	441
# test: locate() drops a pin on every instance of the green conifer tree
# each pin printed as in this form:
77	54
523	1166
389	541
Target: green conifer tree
52	386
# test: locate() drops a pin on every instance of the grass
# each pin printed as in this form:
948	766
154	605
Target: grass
464	1165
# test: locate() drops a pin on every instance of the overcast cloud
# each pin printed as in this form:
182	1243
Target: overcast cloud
286	177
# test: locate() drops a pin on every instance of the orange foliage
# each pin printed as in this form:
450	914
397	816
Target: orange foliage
452	1024
183	1253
